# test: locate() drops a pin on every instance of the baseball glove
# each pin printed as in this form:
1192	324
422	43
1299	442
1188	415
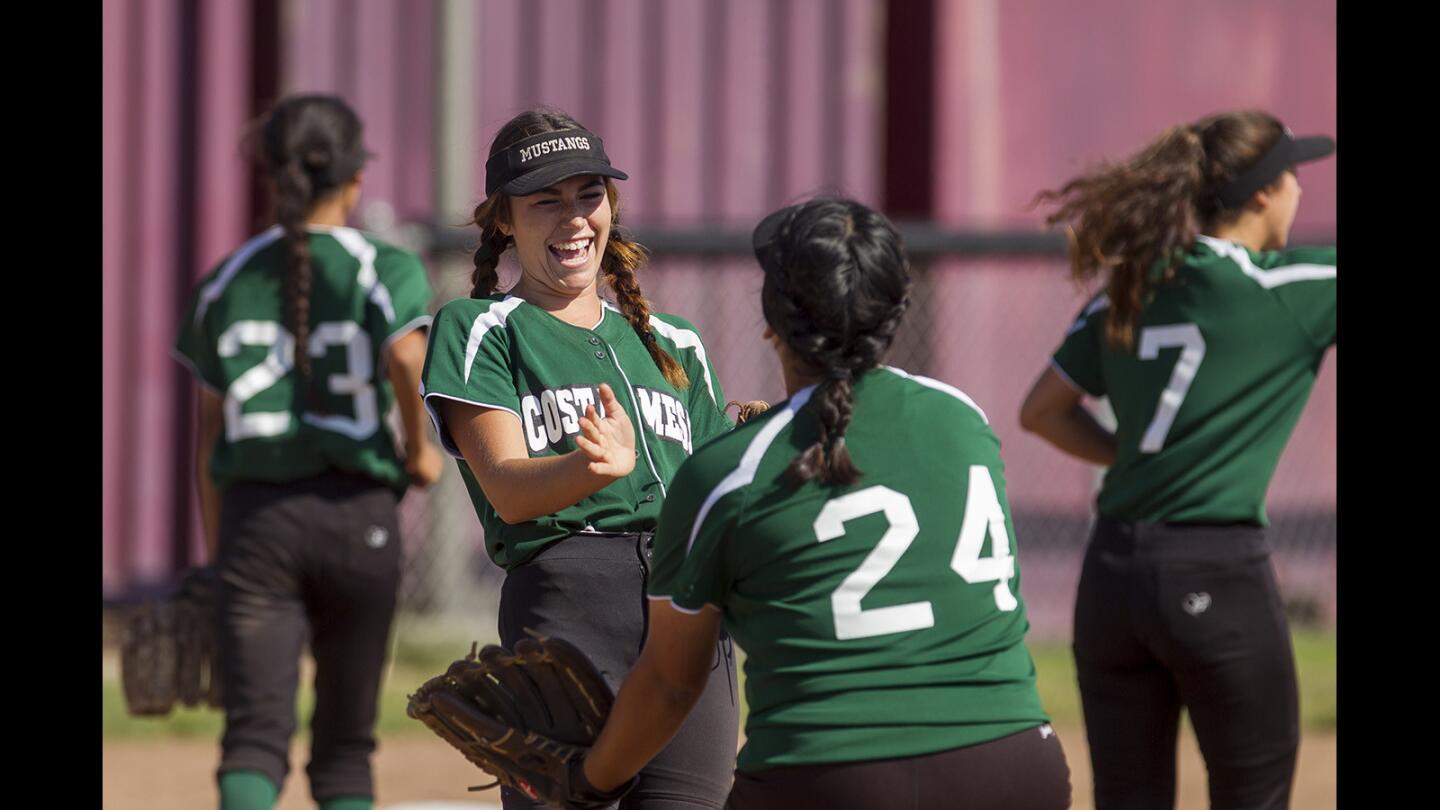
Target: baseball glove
747	410
168	650
527	717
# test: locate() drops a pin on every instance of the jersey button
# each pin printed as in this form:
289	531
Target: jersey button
650	498
594	341
599	355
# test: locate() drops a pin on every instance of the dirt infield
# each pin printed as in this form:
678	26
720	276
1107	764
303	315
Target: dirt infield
179	775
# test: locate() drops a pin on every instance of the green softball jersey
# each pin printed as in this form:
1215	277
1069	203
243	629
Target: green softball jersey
502	352
364	294
1224	359
880	619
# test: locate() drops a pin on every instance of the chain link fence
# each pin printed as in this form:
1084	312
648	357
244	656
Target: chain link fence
984	320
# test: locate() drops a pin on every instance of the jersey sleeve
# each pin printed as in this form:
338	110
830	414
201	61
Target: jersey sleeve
693	563
195	351
1078	358
467	359
400	300
705	398
1304	284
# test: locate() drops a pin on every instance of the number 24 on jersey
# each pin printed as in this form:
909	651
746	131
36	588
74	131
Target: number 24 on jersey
982	513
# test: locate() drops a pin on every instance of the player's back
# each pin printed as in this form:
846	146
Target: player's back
1224	358
362	293
880	619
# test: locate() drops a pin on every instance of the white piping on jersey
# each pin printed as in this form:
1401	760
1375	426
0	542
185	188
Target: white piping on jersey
744	474
212	291
940	386
1066	377
686	339
435	416
1268	279
685	610
365	252
682	338
487	320
422	321
1101	302
194	369
635	405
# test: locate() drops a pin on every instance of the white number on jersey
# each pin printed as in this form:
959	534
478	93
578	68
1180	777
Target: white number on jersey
281	360
982	513
1192	352
276	364
851	620
356	382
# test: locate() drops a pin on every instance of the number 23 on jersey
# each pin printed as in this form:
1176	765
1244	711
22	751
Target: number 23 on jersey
280	360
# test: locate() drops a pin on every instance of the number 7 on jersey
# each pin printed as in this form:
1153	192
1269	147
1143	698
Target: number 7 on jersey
1192	352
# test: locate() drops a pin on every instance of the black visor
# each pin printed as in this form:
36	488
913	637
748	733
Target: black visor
541	161
1286	153
763	239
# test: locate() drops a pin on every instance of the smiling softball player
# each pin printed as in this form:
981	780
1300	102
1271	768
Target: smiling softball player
569	416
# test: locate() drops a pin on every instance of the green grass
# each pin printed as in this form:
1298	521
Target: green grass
207	723
418	656
1314	664
420	653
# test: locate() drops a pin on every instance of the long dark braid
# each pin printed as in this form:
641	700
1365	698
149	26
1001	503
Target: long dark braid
493	242
310	146
623	255
836	289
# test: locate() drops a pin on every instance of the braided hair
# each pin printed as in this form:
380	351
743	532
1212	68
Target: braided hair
837	285
310	146
623	255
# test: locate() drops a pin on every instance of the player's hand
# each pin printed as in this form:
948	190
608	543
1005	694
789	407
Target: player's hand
609	441
424	465
747	410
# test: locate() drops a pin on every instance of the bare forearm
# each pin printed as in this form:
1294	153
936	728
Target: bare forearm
211	421
1077	433
209	504
405	365
523	488
647	713
527	488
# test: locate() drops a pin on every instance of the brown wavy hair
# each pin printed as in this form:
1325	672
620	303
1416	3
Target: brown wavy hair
619	266
1130	216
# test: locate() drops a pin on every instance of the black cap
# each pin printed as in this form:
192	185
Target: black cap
1286	153
543	160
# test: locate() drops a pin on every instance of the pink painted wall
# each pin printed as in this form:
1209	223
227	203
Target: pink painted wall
1030	93
139	178
146	213
720	112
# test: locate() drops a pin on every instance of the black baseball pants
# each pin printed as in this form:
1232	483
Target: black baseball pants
315	560
1185	615
1022	770
590	589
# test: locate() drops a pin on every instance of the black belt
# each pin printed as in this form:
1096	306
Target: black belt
1182	539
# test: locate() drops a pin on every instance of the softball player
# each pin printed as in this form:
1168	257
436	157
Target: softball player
1206	340
298	472
857	541
569	416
